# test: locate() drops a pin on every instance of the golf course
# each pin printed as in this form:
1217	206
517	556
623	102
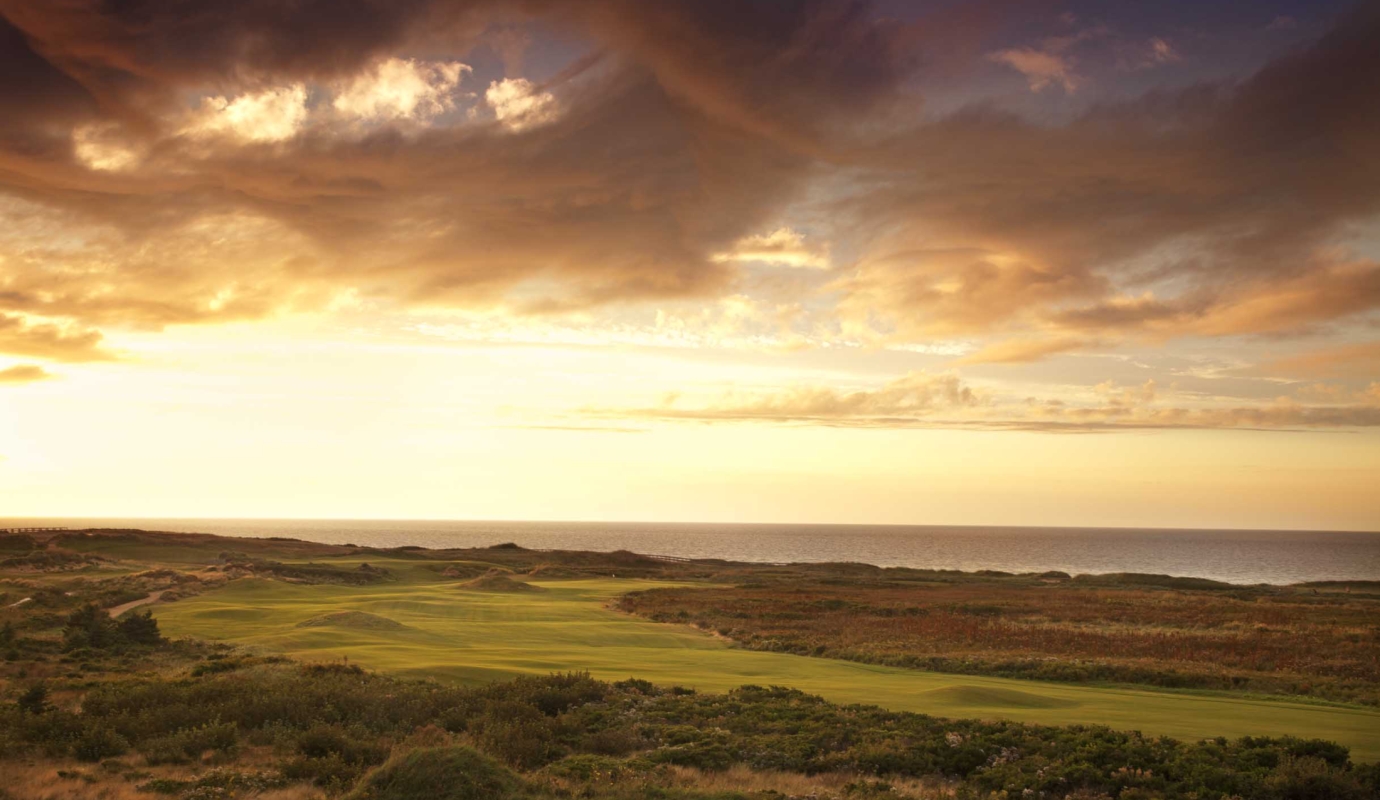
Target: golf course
423	625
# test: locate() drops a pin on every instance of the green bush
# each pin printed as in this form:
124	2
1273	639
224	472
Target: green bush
139	628
90	626
1314	779
188	744
333	757
99	742
439	773
353	747
330	772
519	734
333	725
34	700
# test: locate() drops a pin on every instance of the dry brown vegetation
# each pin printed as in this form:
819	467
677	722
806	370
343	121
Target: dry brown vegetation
1290	640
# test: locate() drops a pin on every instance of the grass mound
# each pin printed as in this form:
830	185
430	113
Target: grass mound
554	571
358	620
993	697
439	773
1150	579
463	571
499	582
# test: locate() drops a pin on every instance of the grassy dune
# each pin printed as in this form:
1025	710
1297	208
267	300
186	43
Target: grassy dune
448	632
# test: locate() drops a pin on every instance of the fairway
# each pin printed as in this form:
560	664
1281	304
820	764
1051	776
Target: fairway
433	628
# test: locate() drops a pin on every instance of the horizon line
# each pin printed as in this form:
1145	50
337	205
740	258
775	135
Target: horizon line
975	526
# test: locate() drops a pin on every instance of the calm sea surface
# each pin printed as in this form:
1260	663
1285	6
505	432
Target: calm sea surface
1236	556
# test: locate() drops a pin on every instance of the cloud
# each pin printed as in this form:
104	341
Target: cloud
1143	54
100	147
1217	210
1022	351
924	401
519	105
185	166
397	88
926	292
1344	361
170	165
24	373
1338	394
1050	63
1041	68
22	337
783	246
1162	52
272	115
913	396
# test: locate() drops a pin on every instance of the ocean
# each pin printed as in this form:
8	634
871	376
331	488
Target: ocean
1227	555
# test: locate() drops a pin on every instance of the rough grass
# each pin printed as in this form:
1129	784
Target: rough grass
1148	630
474	637
116	779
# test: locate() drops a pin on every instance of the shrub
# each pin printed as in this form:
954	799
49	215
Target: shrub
35	700
16	543
519	734
99	742
140	628
188	744
612	742
439	773
90	626
1314	779
710	756
333	757
325	740
331	772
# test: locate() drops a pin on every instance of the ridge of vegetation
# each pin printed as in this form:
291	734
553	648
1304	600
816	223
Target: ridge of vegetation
97	706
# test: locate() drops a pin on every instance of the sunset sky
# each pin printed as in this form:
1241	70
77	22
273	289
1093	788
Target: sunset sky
1042	263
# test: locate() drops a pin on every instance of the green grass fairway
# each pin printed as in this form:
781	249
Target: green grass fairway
449	633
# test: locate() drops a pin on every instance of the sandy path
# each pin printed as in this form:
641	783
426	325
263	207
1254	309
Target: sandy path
123	607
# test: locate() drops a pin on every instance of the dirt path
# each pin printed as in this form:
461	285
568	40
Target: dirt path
123	607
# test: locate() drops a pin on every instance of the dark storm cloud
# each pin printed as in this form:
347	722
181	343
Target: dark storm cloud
696	125
1215	209
1221	209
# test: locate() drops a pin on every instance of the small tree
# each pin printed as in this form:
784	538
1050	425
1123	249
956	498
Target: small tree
140	628
35	700
90	626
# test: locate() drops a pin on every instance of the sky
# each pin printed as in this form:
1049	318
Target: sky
1014	263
